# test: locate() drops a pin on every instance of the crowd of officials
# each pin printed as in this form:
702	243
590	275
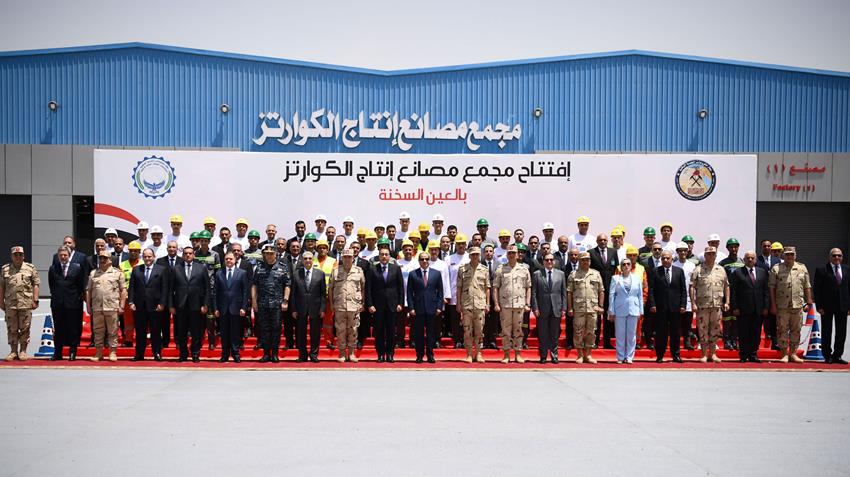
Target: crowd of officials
412	286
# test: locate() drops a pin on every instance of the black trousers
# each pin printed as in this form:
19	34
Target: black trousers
667	325
289	330
401	327
67	328
165	329
365	329
607	329
424	329
269	319
492	327
769	324
230	328
686	321
548	332
569	332
456	327
749	334
188	321
648	327
840	319
385	321
301	334
147	321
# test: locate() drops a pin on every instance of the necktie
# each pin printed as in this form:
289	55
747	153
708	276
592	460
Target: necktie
604	254
425	276
229	274
384	272
172	261
307	277
667	275
188	270
64	269
753	276
147	274
837	274
550	279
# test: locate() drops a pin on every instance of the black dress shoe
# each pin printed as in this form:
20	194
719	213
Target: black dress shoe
237	359
432	360
72	355
181	359
138	358
677	359
314	359
554	360
743	360
542	360
265	359
755	359
196	358
300	360
390	359
839	361
659	360
157	357
380	359
56	357
418	360
275	359
223	359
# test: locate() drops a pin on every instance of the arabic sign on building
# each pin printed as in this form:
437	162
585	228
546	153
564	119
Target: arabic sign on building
801	177
400	132
510	191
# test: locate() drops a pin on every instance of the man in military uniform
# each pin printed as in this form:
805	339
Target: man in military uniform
212	262
690	255
19	291
105	296
347	289
585	296
483	226
269	297
709	299
645	252
253	254
512	289
789	286
730	264
472	301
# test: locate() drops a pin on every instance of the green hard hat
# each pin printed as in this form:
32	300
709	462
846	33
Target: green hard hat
253	233
649	231
521	247
383	241
309	236
193	236
732	241
688	238
204	234
483	222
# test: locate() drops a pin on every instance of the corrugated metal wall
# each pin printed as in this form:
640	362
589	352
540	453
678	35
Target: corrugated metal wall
148	97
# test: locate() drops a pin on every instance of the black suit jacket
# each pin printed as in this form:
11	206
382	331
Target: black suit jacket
166	262
769	263
746	296
387	294
66	292
147	296
230	297
605	268
308	298
568	268
220	250
191	293
80	259
828	294
120	258
668	297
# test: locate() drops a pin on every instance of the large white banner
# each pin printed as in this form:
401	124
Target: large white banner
698	194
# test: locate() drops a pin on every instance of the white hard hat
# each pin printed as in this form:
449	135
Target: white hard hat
381	225
143	225
681	245
348	219
156	229
110	231
404	215
438	217
713	237
321	217
548	226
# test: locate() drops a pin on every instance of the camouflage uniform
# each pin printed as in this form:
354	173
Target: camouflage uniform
709	286
18	286
512	282
789	285
472	285
271	281
105	289
585	287
347	289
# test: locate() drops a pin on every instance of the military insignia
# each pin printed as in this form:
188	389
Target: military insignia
154	177
695	179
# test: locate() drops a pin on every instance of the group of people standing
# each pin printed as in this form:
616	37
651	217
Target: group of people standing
407	286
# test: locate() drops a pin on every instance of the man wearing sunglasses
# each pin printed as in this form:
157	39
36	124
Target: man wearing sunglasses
426	303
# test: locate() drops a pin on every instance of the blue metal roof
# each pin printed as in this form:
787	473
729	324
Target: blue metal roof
139	94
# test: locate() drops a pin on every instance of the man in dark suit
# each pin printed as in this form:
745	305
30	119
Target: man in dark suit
67	289
770	256
668	296
492	325
367	319
651	263
169	261
188	301
76	257
750	304
118	253
148	298
604	260
425	300
385	300
570	265
223	246
232	291
308	296
832	297
549	302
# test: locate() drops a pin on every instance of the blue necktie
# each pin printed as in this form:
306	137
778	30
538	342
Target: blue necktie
147	274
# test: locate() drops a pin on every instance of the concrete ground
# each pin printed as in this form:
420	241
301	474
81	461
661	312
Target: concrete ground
208	422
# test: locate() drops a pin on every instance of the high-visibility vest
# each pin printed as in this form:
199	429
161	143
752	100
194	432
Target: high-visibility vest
127	268
327	266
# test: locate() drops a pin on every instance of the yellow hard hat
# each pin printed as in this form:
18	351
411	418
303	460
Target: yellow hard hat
617	233
322	243
209	220
583	220
666	224
461	238
406	242
413	234
504	233
631	250
243	221
620	228
176	218
776	246
134	245
371	235
424	227
362	231
433	244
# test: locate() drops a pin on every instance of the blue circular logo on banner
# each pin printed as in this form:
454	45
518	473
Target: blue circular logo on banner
154	177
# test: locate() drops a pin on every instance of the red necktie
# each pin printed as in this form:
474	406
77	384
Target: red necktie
753	276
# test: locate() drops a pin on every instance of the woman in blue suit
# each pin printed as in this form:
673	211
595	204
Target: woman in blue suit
624	309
